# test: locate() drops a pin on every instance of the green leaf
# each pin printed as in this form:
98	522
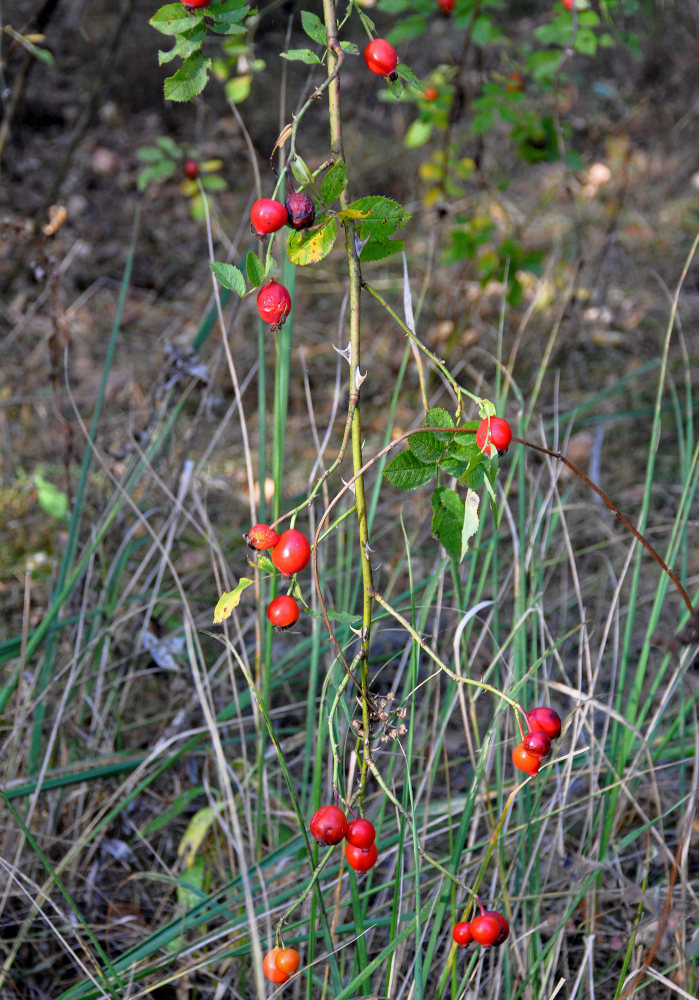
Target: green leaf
226	17
448	519
406	472
427	446
228	602
212	182
255	269
52	501
350	48
169	146
406	74
314	27
543	65
379	217
189	80
185	44
585	42
172	19
301	171
308	246
164	168
470	523
229	276
380	250
334	183
300	55
150	154
418	134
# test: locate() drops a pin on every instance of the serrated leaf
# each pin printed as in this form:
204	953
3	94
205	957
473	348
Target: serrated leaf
380	250
308	246
172	19
448	519
381	216
314	27
406	472
229	601
471	522
427	446
334	183
350	48
300	55
229	276
405	73
189	80
185	44
255	269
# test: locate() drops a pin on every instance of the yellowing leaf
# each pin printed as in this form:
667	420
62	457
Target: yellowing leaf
229	601
197	829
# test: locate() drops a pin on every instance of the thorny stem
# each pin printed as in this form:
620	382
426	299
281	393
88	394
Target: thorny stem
355	282
617	513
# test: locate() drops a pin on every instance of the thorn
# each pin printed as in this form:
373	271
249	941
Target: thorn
346	353
367	550
350	486
359	378
359	244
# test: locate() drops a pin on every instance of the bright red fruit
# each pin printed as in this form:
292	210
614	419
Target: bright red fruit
485	929
361	859
430	94
494	432
381	58
546	721
267	216
568	4
446	6
361	833
287	960
196	3
525	761
270	968
516	83
292	553
301	210
462	933
283	611
329	825
261	537
191	169
273	303
537	743
504	927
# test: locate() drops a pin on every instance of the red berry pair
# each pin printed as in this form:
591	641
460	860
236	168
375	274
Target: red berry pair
493	434
544	726
280	963
329	826
490	929
291	552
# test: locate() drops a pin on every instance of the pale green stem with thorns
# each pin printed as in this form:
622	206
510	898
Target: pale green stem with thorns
355	280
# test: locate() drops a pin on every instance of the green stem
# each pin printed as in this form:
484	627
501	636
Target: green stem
355	284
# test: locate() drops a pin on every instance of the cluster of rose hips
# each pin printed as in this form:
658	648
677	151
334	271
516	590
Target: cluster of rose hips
544	727
329	826
291	552
280	963
488	929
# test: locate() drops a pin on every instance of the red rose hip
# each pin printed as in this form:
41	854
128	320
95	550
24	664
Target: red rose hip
273	304
504	926
292	553
525	761
381	58
261	537
462	933
270	968
196	3
283	611
493	433
191	169
329	825
545	720
300	209
537	743
485	929
361	859
361	833
288	960
267	216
